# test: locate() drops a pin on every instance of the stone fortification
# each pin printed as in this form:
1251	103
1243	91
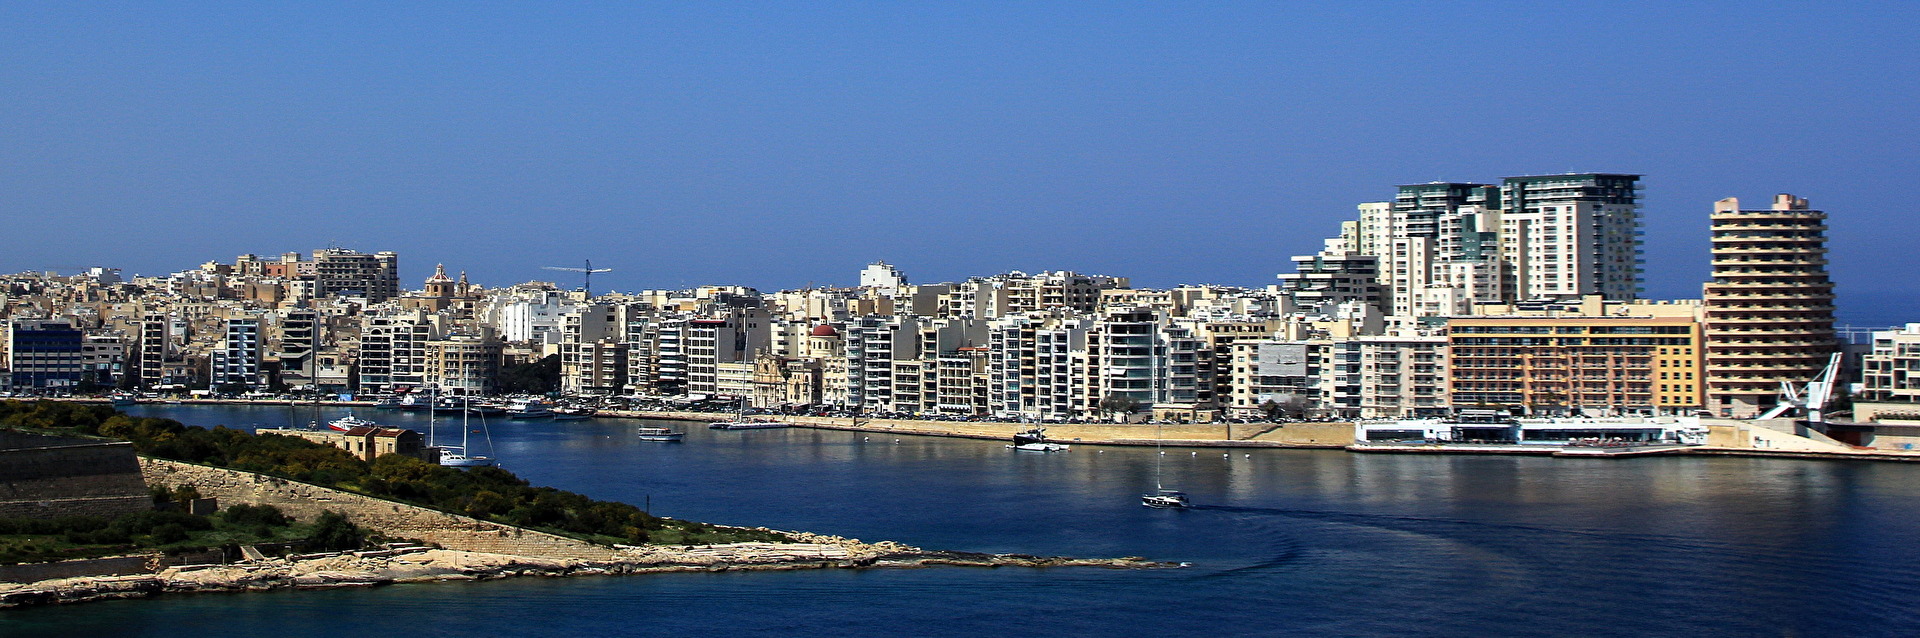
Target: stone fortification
306	501
52	476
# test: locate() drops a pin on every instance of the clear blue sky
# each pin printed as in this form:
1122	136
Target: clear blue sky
774	145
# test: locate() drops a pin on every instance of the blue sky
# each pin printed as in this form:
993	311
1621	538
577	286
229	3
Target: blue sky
774	145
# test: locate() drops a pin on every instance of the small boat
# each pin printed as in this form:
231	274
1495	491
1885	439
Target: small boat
123	398
529	409
350	422
741	422
1164	499
390	403
659	434
573	414
1035	440
487	409
416	402
458	456
749	425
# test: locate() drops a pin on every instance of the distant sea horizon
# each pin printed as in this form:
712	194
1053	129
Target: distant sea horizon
1875	309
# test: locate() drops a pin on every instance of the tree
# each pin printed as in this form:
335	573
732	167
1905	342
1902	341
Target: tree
1292	406
1119	403
538	377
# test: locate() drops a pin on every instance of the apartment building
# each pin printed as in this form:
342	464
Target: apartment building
340	271
1891	371
393	350
1443	247
44	354
594	367
236	362
1577	365
464	364
1769	307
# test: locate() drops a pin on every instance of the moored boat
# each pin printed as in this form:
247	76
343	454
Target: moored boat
529	409
573	414
1035	440
749	425
659	434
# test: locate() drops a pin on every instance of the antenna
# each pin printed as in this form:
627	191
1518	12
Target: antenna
586	273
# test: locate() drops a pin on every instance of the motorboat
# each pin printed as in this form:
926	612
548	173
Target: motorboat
1035	440
659	434
123	398
573	414
529	409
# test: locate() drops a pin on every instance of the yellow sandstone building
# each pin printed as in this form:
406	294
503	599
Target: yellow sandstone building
1595	362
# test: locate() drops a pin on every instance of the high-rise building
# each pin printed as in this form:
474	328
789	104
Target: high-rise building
237	361
1769	308
1572	235
1443	247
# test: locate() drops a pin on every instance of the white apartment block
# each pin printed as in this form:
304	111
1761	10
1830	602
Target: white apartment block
236	362
393	350
1891	372
1443	247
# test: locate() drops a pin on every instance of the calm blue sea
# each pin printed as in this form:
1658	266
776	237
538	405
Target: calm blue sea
1283	543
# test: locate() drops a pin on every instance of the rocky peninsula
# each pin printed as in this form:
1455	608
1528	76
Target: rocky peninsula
415	564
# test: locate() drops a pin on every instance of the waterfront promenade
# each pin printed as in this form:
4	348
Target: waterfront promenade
1732	438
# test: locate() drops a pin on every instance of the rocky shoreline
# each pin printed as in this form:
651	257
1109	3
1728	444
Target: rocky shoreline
422	564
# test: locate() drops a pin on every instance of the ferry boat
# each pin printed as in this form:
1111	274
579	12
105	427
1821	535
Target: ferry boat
350	422
659	434
1035	440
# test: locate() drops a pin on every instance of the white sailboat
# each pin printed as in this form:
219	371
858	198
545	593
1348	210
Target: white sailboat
741	422
1161	497
459	457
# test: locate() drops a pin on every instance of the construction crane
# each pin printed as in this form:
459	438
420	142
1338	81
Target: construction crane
1811	400
586	273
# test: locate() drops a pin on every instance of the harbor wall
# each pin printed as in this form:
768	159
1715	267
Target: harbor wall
51	476
1309	435
307	501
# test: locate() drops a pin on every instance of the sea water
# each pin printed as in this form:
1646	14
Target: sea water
1281	542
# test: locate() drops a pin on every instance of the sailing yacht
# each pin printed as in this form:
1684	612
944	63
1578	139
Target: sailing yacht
1161	497
460	458
740	421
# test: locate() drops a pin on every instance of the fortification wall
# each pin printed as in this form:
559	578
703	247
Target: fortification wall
50	477
306	501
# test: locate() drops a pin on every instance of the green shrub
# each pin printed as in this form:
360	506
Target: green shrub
333	532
